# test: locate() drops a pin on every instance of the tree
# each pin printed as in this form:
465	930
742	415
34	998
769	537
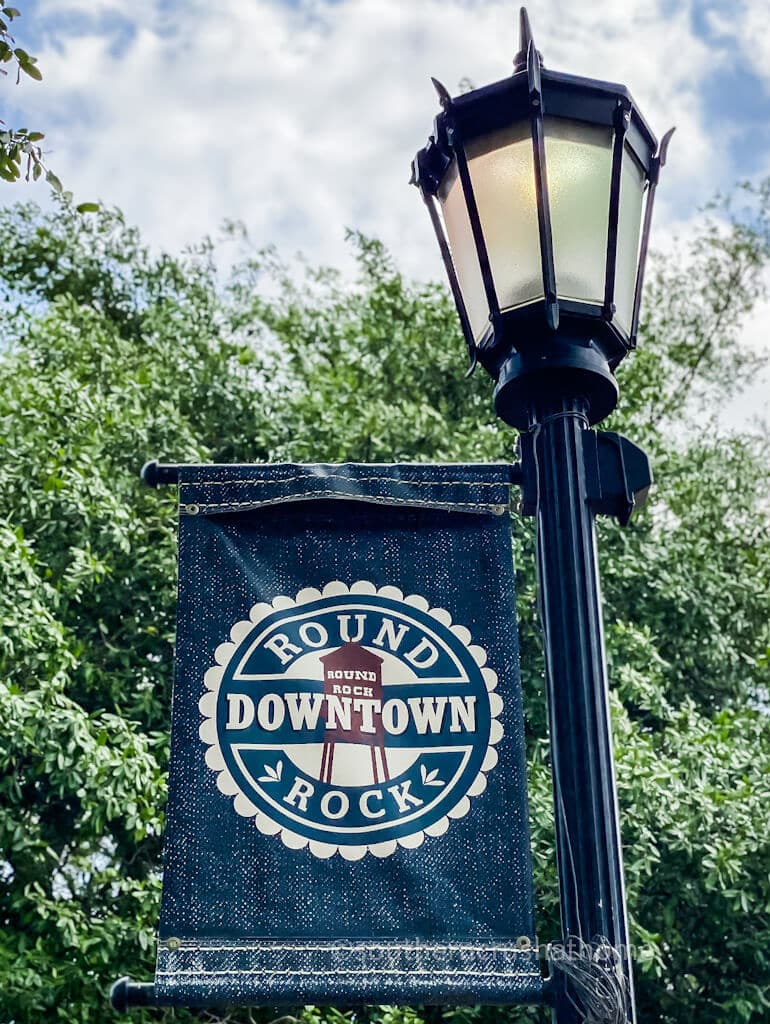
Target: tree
19	146
112	355
20	150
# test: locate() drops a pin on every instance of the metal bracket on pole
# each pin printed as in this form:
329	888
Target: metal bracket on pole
617	474
126	994
154	473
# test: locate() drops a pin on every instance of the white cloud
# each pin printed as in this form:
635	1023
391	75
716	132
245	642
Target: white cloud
301	119
745	25
92	8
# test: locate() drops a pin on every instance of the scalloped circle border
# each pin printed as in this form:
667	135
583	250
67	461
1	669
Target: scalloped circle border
228	786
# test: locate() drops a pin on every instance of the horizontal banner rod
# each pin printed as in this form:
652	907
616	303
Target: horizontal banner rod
157	474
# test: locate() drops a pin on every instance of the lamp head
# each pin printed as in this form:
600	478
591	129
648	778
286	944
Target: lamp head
536	187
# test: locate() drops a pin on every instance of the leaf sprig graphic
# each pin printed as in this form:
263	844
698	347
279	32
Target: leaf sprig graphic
271	774
430	778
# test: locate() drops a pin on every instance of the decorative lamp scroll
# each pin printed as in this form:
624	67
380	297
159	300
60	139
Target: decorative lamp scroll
658	162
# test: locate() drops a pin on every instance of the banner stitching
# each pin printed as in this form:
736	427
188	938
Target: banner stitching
350	973
384	499
348	479
379	947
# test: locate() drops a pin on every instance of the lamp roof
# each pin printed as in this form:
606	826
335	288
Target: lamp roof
495	106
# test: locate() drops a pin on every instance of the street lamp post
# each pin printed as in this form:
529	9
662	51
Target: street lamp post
540	190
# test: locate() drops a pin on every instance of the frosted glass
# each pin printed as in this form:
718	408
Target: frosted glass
503	176
463	249
501	166
579	161
629	227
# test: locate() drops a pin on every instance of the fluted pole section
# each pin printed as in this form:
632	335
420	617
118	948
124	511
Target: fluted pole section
587	822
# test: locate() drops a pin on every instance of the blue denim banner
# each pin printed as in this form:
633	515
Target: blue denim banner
347	814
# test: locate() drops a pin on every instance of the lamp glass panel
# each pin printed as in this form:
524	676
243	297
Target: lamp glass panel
632	181
579	168
502	173
501	166
463	249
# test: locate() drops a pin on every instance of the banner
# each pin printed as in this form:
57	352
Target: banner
347	812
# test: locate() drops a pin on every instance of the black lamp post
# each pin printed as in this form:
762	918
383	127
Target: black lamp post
536	186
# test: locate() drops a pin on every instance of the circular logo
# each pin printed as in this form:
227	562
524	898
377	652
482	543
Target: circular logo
351	720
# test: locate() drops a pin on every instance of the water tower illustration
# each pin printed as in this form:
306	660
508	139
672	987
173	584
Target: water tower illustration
353	692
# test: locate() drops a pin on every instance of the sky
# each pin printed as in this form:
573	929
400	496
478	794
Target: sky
300	117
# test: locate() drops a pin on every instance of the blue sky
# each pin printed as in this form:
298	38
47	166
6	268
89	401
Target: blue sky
300	118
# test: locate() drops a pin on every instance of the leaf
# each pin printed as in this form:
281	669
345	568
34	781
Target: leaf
430	778
88	207
272	774
35	136
53	181
31	70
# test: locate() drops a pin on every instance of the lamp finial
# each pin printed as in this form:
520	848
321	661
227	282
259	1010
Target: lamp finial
525	38
443	93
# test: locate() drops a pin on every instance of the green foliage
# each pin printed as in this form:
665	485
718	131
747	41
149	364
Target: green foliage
20	150
112	356
19	147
